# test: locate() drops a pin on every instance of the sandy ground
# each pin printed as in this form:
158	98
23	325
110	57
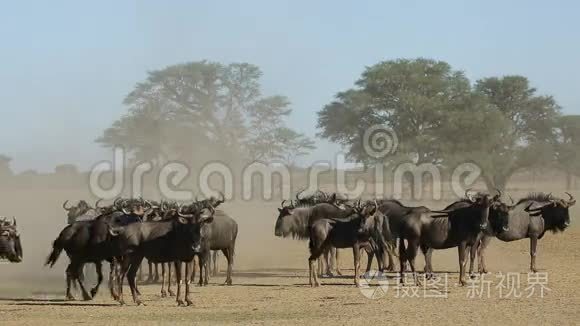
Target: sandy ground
271	284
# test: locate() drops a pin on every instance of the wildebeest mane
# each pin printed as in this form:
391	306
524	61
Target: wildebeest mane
536	196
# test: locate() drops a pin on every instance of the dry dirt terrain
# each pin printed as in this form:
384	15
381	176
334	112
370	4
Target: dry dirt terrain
271	284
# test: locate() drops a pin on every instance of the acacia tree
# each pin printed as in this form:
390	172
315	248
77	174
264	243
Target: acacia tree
501	124
527	134
568	147
200	111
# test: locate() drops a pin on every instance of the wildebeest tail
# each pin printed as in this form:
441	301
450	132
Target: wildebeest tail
57	247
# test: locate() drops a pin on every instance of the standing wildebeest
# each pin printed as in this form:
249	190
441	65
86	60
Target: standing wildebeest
88	242
295	220
168	241
530	218
397	213
221	234
10	246
498	220
442	230
82	211
354	232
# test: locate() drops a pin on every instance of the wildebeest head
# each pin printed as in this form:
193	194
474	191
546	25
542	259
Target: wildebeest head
10	246
499	216
191	225
482	204
370	215
555	212
284	222
73	212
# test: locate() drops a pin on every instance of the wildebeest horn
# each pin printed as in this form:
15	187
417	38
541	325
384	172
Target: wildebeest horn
223	197
467	195
13	221
512	200
571	200
64	206
184	215
282	204
298	194
97	203
527	209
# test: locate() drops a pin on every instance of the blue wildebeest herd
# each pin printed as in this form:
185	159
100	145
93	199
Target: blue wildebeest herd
171	235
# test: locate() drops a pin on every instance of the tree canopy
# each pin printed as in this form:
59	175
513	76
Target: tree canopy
202	107
501	124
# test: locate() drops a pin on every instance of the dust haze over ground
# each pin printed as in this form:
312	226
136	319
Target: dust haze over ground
271	284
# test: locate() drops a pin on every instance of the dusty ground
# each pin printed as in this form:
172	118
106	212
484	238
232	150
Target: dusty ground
271	282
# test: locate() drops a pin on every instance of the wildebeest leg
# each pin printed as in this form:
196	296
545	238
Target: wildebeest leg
391	267
316	253
427	252
99	269
207	271
69	280
328	261
402	259
462	262
370	256
202	262
194	262
413	247
229	254
150	273
113	272
163	280
123	269
156	278
472	255
356	256
188	268
533	247
481	254
135	266
215	265
169	290
77	271
177	265
337	263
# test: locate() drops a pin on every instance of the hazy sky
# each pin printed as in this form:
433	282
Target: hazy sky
66	65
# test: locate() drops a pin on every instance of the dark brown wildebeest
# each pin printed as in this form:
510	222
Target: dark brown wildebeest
220	235
295	221
353	232
442	230
530	218
82	211
10	246
498	220
88	242
168	241
397	213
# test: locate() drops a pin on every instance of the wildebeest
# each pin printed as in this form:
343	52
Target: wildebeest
354	232
88	242
530	218
294	220
459	227
498	220
82	211
168	241
221	235
10	246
